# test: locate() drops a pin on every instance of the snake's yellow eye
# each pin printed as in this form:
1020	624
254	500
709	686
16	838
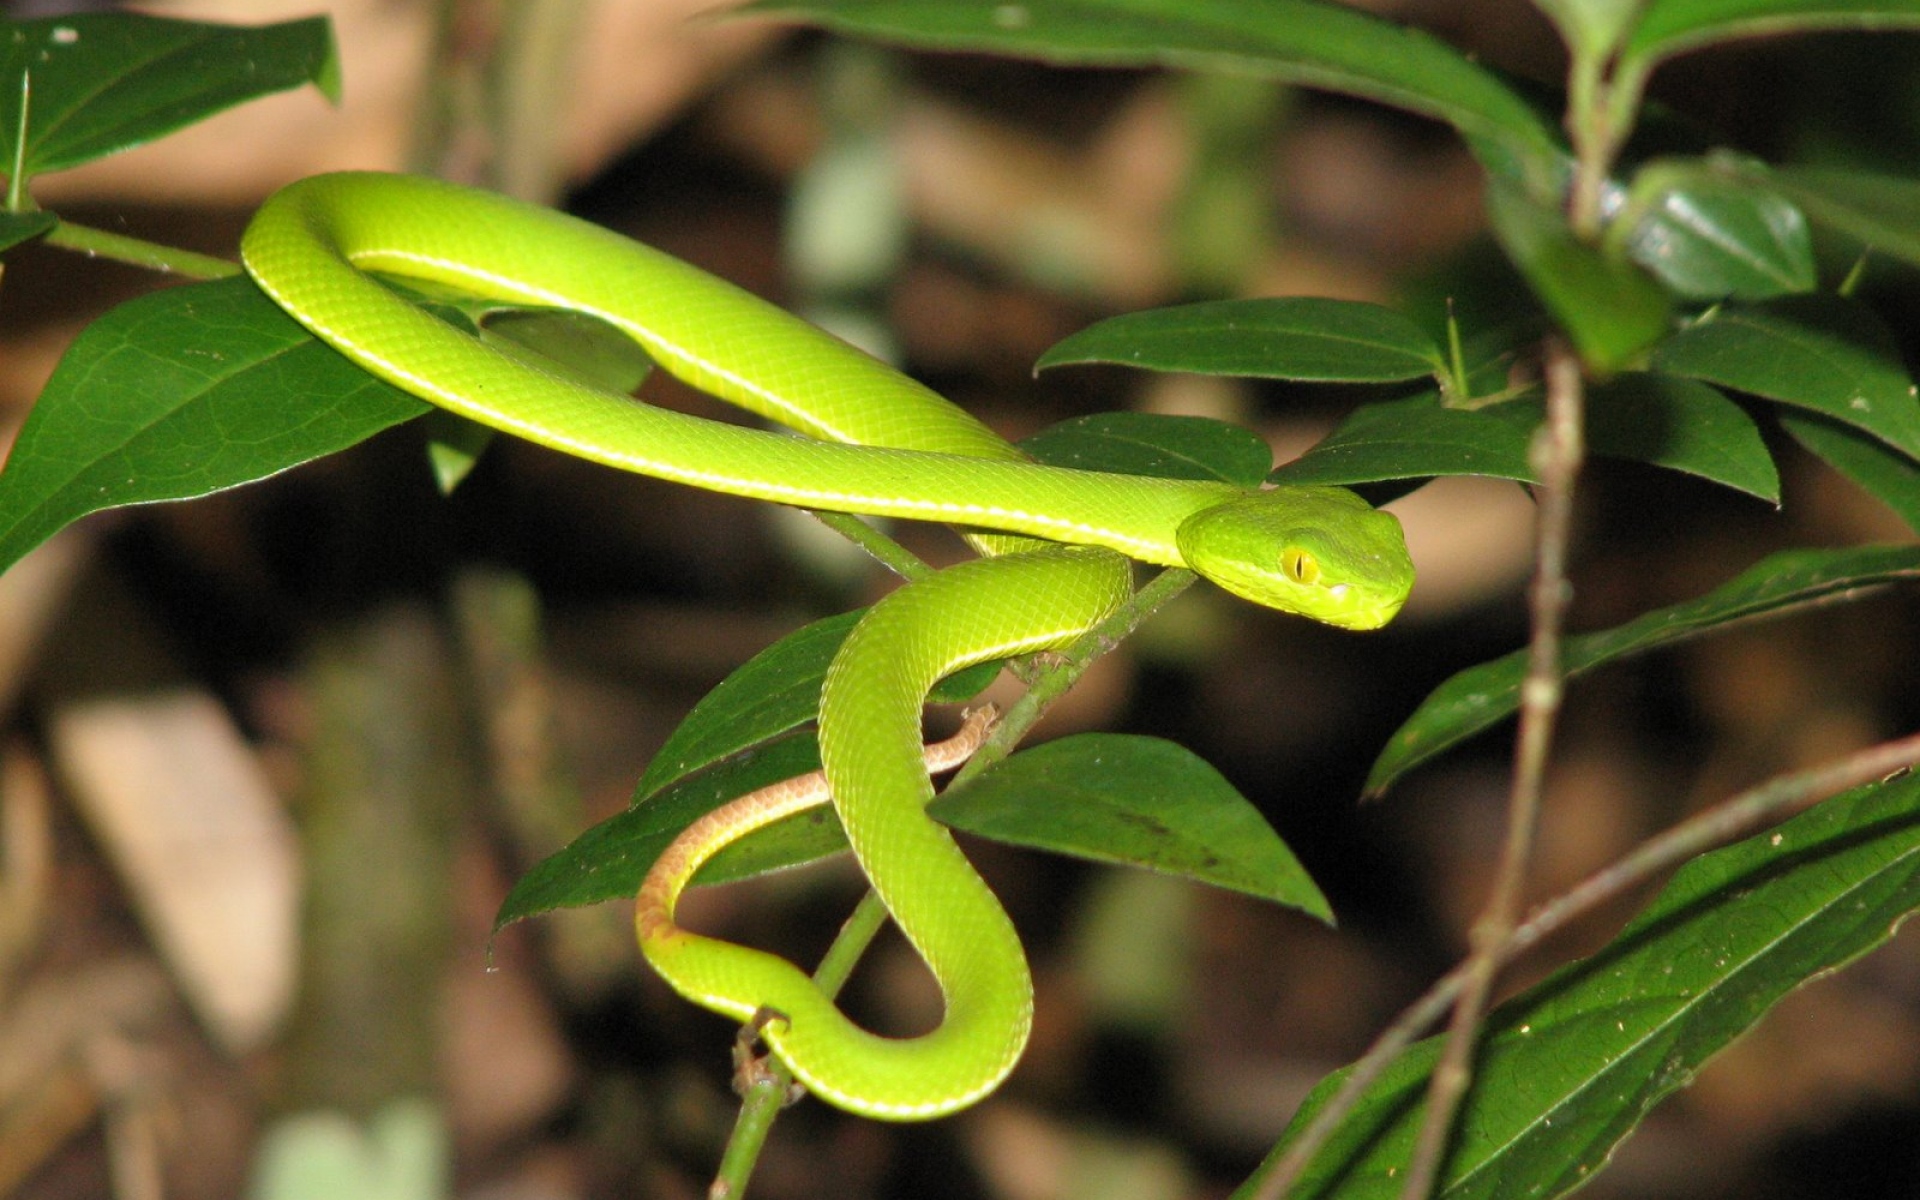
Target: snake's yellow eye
1300	566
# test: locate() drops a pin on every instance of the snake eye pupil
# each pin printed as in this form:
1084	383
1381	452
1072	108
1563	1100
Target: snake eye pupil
1300	566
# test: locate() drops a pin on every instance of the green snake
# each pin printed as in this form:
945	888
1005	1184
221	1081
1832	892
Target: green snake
878	444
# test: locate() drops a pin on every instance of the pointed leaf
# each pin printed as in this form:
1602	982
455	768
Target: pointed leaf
1569	1068
1297	337
178	394
775	691
1823	353
1667	421
1668	27
1155	444
103	83
608	861
1136	801
1484	695
1709	237
1321	45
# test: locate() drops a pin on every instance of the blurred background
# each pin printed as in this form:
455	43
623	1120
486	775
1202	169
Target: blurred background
270	760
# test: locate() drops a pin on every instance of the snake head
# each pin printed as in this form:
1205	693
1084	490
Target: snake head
1317	552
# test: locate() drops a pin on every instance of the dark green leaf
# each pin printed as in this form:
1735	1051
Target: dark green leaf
1668	27
773	692
1681	425
608	861
1484	695
178	394
1823	353
1671	422
1303	338
454	446
1888	475
1136	801
1880	210
1709	237
1155	444
103	83
24	227
1321	45
1569	1068
1610	308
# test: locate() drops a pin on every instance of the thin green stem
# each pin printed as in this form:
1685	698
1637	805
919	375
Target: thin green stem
770	1088
1557	454
17	170
171	260
890	554
1773	800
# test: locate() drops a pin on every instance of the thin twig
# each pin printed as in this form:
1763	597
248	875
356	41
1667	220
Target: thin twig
1773	800
1556	456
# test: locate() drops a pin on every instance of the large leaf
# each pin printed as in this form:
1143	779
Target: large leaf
103	83
1823	353
608	861
1671	422
775	691
1484	695
1569	1068
1104	797
1155	444
1135	801
1323	45
1667	27
178	394
1709	237
1296	337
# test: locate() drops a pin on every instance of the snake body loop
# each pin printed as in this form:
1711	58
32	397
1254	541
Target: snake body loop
876	443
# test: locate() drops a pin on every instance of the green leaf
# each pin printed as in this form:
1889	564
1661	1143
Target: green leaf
1881	211
1610	308
104	83
1668	27
1302	338
1155	444
178	394
1670	422
1135	801
1888	475
773	692
16	228
1709	237
1482	696
1321	45
1569	1068
608	861
1683	426
1826	354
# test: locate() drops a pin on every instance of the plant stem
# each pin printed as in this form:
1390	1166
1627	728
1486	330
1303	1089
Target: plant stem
769	1091
890	554
1775	799
171	260
1556	453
